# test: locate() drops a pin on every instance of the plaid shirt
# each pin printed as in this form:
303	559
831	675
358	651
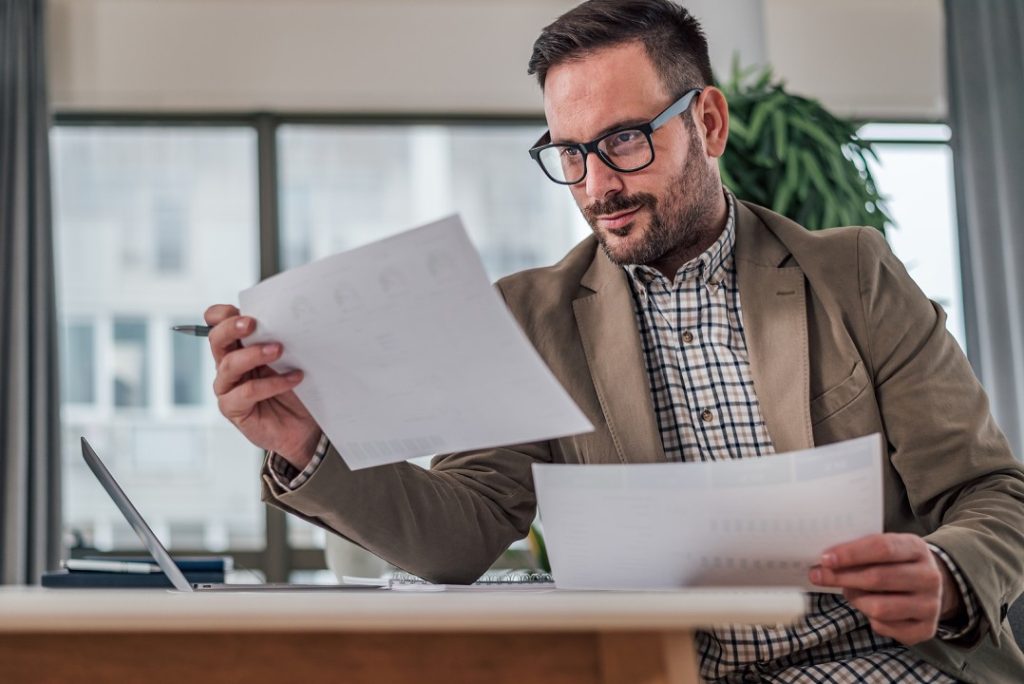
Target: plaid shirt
694	348
696	357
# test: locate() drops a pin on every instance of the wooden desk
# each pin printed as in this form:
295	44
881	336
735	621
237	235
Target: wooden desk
378	637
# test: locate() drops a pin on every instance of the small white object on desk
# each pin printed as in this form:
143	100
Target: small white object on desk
125	567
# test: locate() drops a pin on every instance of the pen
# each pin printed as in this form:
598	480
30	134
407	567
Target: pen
197	330
111	566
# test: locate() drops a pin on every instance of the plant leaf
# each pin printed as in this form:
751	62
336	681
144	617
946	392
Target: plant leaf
789	153
779	127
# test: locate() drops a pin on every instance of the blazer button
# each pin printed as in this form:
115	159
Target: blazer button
687	337
707	416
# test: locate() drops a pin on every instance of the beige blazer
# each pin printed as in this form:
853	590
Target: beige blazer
842	343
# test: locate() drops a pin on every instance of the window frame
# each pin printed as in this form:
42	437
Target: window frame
969	331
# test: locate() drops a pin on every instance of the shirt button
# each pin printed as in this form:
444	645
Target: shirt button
687	337
707	416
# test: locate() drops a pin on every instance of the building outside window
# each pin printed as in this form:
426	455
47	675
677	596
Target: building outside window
152	225
131	363
189	361
343	186
78	347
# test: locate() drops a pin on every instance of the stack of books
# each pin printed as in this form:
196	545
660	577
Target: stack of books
123	572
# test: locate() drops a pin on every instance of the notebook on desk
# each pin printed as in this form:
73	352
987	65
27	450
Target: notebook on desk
163	558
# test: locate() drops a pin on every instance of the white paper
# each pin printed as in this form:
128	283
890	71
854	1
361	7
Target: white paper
408	350
746	522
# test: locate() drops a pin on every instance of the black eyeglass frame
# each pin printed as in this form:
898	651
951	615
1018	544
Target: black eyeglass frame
674	109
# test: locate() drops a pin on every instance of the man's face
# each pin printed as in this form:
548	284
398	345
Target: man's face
643	216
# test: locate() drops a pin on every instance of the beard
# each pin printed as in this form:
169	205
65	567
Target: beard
678	220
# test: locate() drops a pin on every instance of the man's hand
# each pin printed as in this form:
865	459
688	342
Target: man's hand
258	400
896	581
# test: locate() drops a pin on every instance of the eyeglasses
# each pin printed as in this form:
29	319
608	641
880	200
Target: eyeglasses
625	150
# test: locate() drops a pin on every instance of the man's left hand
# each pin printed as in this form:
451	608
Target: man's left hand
895	580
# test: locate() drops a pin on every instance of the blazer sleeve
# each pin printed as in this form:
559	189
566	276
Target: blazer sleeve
447	524
960	477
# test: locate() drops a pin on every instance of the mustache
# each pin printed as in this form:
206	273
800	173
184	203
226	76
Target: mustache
617	204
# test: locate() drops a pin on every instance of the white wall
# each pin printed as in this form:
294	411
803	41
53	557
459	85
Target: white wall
882	59
298	55
867	57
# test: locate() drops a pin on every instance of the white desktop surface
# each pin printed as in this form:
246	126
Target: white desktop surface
500	637
28	609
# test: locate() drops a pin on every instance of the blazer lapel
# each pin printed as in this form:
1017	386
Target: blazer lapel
607	326
774	309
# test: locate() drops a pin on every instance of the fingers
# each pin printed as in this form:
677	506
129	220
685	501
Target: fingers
233	365
236	395
241	400
218	312
891	578
875	548
893	608
921	576
226	335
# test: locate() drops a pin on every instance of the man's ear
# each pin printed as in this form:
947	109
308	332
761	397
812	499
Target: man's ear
713	112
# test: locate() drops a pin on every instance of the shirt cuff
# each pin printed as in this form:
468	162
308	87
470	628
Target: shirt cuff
947	631
287	476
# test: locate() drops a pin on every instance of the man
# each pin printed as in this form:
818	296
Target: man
694	326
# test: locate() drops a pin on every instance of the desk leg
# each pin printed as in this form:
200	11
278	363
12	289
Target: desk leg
648	658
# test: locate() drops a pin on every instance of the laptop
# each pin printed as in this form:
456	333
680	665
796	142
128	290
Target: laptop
163	558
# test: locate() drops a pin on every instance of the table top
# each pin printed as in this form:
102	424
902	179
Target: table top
35	609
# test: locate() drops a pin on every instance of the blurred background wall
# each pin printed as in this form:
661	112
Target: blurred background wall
865	58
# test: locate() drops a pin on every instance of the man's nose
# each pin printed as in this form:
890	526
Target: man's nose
601	180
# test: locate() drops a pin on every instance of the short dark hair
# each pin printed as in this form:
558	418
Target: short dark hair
672	37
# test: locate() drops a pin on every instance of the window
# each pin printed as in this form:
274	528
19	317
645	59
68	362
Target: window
130	376
343	186
188	359
153	224
171	236
78	381
915	172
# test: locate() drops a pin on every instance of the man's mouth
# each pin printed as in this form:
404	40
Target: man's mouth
617	221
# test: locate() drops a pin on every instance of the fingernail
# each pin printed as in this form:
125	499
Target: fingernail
294	375
242	323
815	575
828	560
271	349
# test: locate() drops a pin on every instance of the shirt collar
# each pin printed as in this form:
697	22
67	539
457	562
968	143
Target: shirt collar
706	267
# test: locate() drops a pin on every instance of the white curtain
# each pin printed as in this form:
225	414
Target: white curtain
986	87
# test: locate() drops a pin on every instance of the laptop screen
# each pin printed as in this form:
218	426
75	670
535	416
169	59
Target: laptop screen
159	553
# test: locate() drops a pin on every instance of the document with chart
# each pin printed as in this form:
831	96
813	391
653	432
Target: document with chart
408	350
750	522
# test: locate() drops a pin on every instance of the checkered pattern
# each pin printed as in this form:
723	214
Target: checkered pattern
696	357
699	372
288	476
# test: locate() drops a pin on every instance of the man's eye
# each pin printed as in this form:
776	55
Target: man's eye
570	152
626	136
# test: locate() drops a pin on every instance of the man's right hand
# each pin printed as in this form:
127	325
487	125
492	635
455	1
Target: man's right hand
259	401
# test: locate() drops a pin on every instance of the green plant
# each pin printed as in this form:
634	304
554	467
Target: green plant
539	548
788	153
